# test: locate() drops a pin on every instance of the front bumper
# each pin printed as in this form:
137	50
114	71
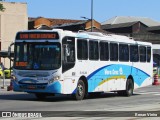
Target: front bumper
55	87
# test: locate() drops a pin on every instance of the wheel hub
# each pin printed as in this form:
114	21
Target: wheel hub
80	90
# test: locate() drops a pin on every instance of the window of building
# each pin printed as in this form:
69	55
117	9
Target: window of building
93	50
104	51
123	52
113	51
82	49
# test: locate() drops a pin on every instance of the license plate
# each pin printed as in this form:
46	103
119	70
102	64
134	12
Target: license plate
31	87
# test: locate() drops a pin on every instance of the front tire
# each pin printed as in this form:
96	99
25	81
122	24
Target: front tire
80	92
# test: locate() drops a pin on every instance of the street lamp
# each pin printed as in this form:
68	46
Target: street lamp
85	18
88	19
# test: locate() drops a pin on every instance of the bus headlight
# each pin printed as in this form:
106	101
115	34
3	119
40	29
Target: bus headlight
55	78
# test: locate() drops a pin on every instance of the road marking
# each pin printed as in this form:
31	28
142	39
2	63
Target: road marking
145	93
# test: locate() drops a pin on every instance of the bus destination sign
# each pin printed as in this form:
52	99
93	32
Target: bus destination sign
36	35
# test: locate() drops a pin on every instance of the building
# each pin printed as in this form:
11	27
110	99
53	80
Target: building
126	19
65	24
140	28
84	25
35	23
12	20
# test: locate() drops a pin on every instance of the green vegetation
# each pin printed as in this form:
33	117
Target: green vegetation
1	7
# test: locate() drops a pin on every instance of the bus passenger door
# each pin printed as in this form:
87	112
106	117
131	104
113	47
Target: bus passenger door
68	63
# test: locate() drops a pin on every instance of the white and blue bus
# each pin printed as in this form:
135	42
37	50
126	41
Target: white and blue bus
50	62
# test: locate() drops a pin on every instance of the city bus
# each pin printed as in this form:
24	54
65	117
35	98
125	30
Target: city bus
58	62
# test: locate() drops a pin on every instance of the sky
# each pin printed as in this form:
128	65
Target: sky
102	9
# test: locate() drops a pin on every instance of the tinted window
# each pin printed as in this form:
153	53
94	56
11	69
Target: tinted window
148	54
37	56
123	52
82	49
104	52
113	51
142	52
134	57
93	50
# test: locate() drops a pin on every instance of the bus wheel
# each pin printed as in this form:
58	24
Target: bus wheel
80	93
40	96
129	88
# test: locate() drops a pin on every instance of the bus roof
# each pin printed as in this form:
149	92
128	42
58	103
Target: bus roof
111	38
94	36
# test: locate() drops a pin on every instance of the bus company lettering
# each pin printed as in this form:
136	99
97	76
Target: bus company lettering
113	72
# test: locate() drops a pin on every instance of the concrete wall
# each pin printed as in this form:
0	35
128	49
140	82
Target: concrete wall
12	20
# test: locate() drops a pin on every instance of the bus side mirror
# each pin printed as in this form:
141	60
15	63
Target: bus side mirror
9	49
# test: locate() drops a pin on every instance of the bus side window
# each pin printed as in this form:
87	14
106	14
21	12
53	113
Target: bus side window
148	54
113	51
93	50
104	51
142	52
134	55
123	52
82	49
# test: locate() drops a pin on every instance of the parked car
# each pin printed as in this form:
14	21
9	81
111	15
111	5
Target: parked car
5	72
1	73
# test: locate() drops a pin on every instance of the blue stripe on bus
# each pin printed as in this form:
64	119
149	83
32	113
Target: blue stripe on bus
92	74
106	72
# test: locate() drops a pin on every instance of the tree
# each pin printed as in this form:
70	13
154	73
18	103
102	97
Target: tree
1	7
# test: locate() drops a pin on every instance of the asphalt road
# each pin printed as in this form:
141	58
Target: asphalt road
144	99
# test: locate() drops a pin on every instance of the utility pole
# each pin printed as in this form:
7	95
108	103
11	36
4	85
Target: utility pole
91	15
91	19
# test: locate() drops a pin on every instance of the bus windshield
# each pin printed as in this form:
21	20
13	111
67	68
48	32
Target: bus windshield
37	56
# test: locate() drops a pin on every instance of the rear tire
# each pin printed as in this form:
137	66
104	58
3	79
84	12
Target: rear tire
80	92
129	88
